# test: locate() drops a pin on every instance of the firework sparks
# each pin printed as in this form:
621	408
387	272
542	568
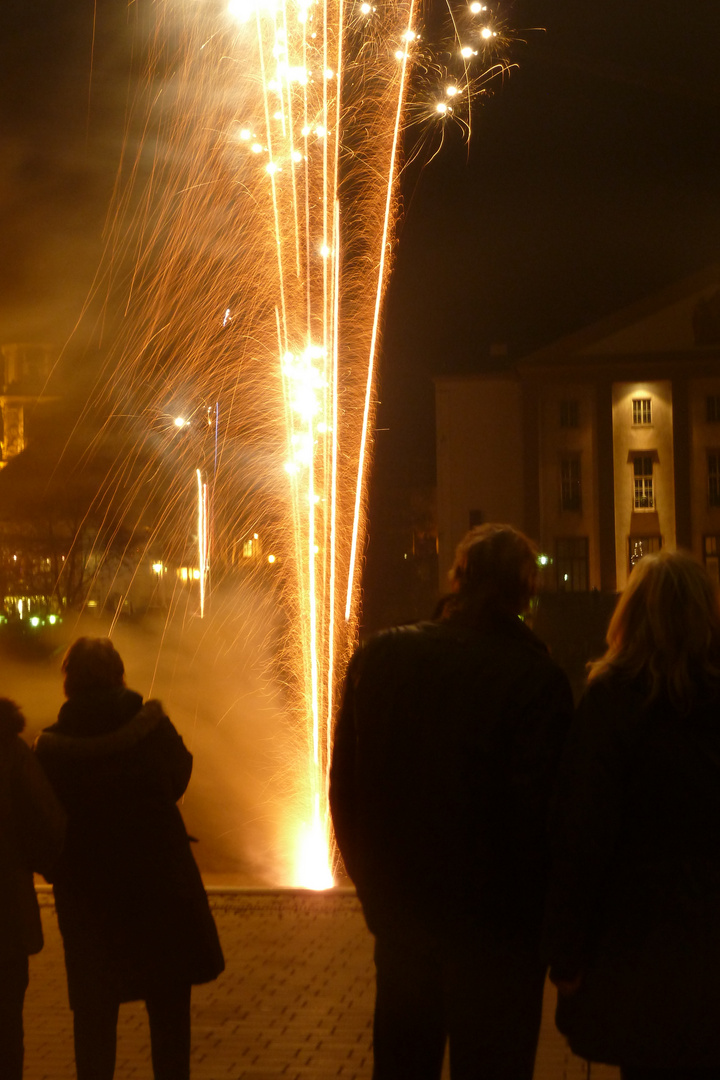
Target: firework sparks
261	247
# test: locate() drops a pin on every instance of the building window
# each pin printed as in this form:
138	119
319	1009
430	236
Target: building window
571	563
640	546
711	553
712	403
569	412
643	496
713	460
642	410
570	483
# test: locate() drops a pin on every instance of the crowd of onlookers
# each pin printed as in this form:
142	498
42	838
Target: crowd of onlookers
492	830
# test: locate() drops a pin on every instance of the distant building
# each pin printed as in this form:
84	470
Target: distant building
24	372
604	446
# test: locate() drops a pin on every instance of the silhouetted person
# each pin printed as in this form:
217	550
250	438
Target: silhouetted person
633	925
445	753
131	905
32	825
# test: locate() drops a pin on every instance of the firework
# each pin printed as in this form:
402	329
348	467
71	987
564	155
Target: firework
260	245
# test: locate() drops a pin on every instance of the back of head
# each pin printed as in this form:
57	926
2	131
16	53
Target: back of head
92	664
666	629
495	569
12	720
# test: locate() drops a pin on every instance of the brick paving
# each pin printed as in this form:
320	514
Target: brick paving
294	1003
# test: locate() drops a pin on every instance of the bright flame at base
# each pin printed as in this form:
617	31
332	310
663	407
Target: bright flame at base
312	870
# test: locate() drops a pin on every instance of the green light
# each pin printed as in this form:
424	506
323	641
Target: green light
34	621
52	619
543	560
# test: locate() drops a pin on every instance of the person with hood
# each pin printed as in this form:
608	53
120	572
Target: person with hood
633	913
32	825
131	906
446	747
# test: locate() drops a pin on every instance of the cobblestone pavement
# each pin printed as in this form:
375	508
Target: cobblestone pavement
294	1002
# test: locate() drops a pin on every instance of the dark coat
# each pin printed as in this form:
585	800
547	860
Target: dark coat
444	756
131	905
32	825
634	901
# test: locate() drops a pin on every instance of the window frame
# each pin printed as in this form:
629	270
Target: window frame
571	483
712	408
713	479
642	411
572	554
654	544
643	484
569	413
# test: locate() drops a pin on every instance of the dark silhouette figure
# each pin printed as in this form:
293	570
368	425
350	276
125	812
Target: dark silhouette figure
131	905
633	922
32	825
445	753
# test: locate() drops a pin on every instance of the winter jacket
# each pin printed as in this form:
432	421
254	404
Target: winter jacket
32	825
131	905
445	752
634	898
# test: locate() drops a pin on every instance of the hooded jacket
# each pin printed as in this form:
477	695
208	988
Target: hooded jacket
131	905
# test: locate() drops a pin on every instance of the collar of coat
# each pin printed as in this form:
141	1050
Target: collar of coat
54	744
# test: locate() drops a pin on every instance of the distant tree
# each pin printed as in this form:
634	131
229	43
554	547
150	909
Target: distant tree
65	512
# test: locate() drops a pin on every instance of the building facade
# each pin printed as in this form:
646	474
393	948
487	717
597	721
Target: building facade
604	446
24	372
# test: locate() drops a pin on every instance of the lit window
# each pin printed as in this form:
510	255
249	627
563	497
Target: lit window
569	413
643	498
710	552
640	546
570	483
642	410
712	403
572	564
248	550
713	460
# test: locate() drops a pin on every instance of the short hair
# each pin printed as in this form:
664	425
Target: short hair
666	628
495	568
92	664
12	720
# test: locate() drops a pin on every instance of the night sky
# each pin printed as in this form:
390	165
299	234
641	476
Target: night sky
592	178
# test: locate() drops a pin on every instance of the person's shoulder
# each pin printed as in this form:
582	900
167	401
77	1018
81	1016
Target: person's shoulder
143	722
394	638
613	690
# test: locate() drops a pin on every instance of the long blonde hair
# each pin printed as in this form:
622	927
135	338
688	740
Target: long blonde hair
666	628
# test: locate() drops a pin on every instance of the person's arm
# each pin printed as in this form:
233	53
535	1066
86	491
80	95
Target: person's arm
584	826
40	817
177	761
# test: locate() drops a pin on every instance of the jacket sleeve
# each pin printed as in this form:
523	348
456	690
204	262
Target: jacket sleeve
585	824
177	761
39	816
343	805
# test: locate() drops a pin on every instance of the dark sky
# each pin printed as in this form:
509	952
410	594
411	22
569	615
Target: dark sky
592	178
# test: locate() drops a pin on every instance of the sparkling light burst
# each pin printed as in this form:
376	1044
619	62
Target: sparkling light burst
260	245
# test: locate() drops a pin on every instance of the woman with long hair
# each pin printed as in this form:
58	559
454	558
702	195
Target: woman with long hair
633	915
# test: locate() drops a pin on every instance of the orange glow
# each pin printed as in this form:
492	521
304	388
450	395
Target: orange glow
257	283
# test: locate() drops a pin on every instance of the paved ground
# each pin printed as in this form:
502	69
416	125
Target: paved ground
294	1002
